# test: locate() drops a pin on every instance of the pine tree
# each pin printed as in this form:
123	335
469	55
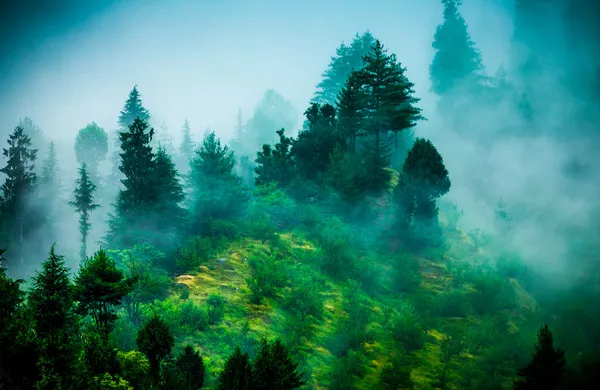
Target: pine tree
187	146
19	185
99	288
133	109
273	368
456	63
388	107
347	59
55	323
135	199
216	190
350	110
91	148
237	373
19	352
155	340
191	367
38	139
168	213
50	192
547	366
83	203
275	164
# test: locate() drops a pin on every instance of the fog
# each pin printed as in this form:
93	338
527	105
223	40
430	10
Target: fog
202	60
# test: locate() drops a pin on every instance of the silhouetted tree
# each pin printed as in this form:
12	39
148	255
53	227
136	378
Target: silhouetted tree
547	366
275	164
237	373
350	110
273	368
55	323
191	367
132	110
155	340
83	203
187	146
91	148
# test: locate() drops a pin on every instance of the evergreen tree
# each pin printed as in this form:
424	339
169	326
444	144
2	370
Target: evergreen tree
547	366
165	139
18	348
456	63
273	368
388	107
132	110
155	340
216	190
313	147
50	192
99	288
275	164
191	367
346	175
83	203
127	227
52	305
38	139
424	178
169	215
237	373
91	148
18	187
239	133
350	110
348	58
187	146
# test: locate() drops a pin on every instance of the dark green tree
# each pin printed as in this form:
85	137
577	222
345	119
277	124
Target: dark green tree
136	198
547	366
348	58
53	312
187	147
389	106
91	148
216	190
18	187
346	175
237	373
424	178
191	367
273	368
350	110
155	340
132	110
456	63
83	203
313	147
275	164
19	351
99	288
167	210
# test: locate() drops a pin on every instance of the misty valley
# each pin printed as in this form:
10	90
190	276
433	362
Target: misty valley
345	248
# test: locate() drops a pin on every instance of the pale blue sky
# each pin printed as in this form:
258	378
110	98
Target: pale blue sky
201	59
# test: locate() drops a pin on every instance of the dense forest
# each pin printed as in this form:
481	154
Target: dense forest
327	257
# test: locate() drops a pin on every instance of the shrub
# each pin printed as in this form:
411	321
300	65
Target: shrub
194	317
195	251
216	308
267	276
407	328
407	272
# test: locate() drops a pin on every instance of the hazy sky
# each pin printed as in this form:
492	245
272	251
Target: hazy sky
67	63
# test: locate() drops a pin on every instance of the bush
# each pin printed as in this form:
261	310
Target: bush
334	239
195	251
216	308
407	272
267	276
193	316
261	227
407	328
135	369
452	304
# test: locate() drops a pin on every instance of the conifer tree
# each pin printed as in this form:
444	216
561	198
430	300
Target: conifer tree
237	373
273	368
547	366
456	63
191	368
133	109
83	203
19	185
55	323
350	110
388	107
99	288
50	192
216	190
38	139
137	195
187	146
275	164
19	351
91	148
155	340
238	135
348	58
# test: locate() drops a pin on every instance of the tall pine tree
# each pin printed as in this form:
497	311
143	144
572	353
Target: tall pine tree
456	63
18	188
133	109
83	203
53	311
187	146
50	193
350	110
